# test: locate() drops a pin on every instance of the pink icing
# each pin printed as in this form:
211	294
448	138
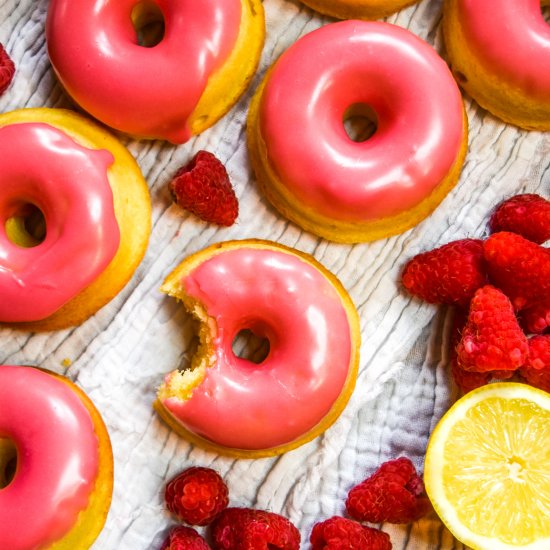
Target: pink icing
278	296
43	166
417	102
57	458
513	40
148	92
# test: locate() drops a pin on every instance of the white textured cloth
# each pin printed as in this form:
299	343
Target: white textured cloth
119	356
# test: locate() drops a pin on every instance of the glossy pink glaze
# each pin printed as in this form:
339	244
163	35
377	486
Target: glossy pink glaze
512	39
57	458
419	109
278	296
41	165
148	92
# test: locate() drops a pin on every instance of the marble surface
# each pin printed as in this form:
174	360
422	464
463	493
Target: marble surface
121	354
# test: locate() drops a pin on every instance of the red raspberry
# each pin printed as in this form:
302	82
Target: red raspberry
247	529
492	339
394	493
203	188
197	495
536	319
447	275
527	215
537	370
465	380
520	268
344	534
468	380
184	538
7	70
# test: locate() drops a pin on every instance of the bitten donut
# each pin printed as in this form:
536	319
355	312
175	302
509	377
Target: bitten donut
233	405
331	185
358	9
207	54
499	52
75	218
56	463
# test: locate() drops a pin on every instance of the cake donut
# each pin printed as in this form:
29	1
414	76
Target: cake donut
358	9
56	463
323	180
75	218
207	54
499	52
234	405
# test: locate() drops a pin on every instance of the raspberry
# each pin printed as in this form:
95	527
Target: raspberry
520	268
394	493
527	215
536	319
197	495
537	370
247	529
203	188
343	534
447	275
539	352
492	339
465	380
184	538
7	70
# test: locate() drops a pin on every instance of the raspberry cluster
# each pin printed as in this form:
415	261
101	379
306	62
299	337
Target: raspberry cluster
198	496
394	493
500	288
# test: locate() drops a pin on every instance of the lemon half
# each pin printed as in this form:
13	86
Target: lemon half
487	469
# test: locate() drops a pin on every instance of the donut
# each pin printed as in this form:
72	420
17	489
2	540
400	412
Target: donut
499	52
75	218
358	9
56	463
315	174
241	408
207	54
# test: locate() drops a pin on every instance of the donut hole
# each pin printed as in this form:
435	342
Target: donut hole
27	226
148	22
8	462
545	9
360	122
249	346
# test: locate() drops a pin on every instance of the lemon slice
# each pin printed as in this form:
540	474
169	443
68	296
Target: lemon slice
487	469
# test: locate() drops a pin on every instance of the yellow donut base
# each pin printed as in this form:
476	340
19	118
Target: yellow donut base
487	88
132	210
91	520
337	230
227	84
358	9
206	352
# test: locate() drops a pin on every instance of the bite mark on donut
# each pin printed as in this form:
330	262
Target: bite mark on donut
180	383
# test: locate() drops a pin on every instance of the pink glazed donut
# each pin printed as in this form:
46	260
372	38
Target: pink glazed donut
233	405
206	54
70	194
320	178
499	51
56	463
